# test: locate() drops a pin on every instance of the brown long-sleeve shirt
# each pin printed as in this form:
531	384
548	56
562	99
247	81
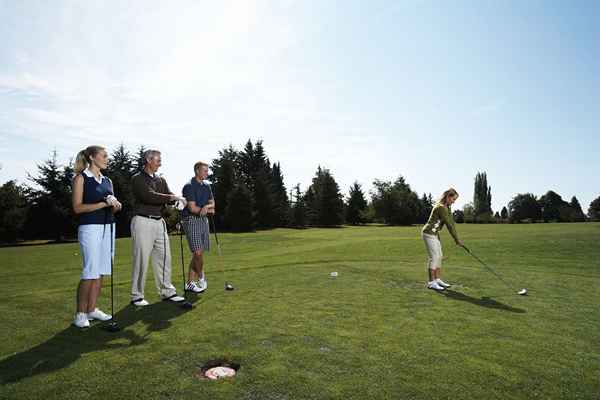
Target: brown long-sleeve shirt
151	193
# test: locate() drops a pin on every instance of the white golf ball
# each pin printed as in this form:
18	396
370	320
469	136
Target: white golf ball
333	274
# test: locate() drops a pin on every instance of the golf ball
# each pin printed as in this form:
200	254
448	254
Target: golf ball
333	274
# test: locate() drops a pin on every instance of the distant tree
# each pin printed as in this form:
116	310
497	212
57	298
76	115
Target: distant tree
225	174
13	211
281	202
426	207
469	213
551	204
324	200
299	209
459	216
121	167
395	203
594	210
482	198
578	215
357	205
139	159
504	213
524	207
239	212
50	215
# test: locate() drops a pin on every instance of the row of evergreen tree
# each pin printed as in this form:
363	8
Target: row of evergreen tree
250	194
523	207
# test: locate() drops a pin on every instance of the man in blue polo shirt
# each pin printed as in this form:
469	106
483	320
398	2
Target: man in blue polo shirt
200	203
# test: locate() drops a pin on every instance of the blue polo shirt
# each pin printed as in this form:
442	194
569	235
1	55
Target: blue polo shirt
198	192
95	190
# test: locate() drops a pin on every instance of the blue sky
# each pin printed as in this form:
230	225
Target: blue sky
435	91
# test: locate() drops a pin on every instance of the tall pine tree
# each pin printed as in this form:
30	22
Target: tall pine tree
225	175
50	215
482	198
281	205
357	204
121	167
299	209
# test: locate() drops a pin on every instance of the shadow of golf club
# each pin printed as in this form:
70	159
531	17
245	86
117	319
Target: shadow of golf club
483	302
67	346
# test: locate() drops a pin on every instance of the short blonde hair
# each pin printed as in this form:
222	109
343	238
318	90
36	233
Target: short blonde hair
199	165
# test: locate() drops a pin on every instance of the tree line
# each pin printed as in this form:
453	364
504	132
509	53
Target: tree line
250	194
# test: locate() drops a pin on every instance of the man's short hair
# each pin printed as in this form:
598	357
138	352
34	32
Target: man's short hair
199	165
149	155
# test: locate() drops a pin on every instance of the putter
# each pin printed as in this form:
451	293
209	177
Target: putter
522	292
185	304
111	325
228	286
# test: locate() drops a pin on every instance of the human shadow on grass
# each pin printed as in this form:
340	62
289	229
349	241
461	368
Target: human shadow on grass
487	302
67	346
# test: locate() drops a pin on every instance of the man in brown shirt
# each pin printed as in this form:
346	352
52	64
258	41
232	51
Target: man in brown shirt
149	232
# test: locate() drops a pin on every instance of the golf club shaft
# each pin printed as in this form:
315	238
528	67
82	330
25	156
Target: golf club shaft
112	262
182	257
490	269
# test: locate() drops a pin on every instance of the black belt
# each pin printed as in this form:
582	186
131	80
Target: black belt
154	217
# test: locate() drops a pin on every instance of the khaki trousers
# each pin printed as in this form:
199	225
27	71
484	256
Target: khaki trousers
150	240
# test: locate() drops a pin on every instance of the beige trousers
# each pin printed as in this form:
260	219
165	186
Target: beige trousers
150	240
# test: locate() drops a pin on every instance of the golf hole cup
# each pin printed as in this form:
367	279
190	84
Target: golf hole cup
333	274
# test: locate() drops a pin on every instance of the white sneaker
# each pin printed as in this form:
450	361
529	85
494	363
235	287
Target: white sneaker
435	286
81	320
203	284
175	298
99	315
193	287
140	303
442	283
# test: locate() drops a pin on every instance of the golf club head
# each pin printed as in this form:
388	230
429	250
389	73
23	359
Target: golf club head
186	305
228	286
111	326
522	292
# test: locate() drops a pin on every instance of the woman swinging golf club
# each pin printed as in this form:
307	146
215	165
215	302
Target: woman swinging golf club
94	202
200	203
440	215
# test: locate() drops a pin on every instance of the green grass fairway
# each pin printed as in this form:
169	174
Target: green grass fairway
374	332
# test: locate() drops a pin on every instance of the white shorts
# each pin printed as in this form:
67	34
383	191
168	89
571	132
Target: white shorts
434	250
94	240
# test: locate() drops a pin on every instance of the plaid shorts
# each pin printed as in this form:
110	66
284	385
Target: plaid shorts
197	232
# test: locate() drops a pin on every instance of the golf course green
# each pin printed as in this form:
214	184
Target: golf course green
372	332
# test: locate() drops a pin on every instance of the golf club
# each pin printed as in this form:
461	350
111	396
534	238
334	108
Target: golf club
228	286
522	292
185	304
111	325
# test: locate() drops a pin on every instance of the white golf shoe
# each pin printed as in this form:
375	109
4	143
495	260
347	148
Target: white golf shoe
203	284
99	315
81	320
174	298
442	283
140	303
435	286
193	287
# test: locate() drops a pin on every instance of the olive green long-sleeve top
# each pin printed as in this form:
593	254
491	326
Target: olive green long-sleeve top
440	216
151	193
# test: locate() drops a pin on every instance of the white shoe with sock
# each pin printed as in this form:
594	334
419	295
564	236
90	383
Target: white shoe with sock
81	320
99	315
435	286
442	283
